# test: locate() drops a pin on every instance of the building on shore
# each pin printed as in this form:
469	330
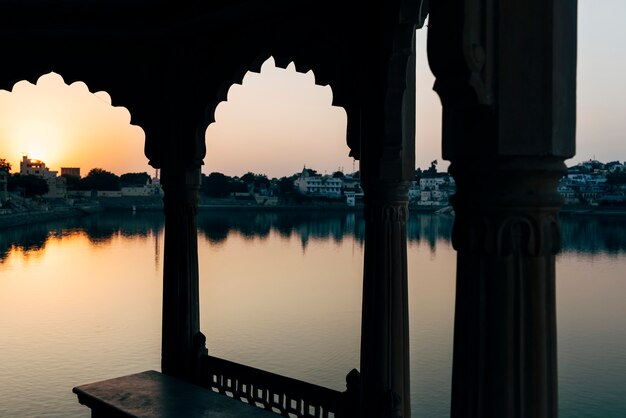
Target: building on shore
151	188
432	189
594	183
351	189
313	184
35	168
70	171
57	186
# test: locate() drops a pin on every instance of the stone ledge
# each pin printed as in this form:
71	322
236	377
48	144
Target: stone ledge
152	394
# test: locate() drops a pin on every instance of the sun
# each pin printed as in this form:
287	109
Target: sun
68	126
40	141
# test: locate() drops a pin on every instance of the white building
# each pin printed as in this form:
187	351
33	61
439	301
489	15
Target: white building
433	190
434	181
350	198
151	188
316	185
415	191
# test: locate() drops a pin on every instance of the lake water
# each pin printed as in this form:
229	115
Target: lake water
80	301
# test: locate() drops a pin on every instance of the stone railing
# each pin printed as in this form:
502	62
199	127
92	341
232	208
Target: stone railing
282	395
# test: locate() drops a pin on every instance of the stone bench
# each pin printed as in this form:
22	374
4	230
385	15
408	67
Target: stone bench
153	394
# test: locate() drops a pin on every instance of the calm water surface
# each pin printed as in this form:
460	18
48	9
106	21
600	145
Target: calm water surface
80	301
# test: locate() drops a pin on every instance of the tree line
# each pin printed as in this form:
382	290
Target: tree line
220	185
213	185
97	179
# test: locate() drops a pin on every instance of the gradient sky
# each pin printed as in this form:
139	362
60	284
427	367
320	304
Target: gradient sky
279	120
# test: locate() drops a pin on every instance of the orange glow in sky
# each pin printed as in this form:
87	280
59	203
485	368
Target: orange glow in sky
68	126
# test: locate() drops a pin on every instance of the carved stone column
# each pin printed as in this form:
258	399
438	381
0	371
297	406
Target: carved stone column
506	233
180	272
385	329
506	76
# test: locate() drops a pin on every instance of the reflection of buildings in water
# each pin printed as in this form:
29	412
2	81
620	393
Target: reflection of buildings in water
589	235
430	228
98	229
304	239
157	250
26	239
593	235
306	225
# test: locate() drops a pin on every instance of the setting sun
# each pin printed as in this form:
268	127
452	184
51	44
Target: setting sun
68	126
276	122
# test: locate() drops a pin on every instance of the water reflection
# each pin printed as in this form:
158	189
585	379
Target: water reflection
216	226
93	307
588	235
593	235
98	229
79	302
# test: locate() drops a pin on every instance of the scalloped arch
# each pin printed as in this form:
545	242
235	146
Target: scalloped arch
254	65
69	78
34	80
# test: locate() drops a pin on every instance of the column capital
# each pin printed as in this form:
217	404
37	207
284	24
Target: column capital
383	191
180	179
508	206
386	201
181	187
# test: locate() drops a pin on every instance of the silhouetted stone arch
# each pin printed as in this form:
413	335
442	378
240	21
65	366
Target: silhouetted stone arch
255	67
306	45
34	79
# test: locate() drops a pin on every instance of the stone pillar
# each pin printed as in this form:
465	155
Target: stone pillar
181	318
506	76
385	329
507	233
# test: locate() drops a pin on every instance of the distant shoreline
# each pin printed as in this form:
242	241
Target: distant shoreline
152	205
595	211
38	216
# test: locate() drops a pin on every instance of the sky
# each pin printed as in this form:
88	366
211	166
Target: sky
279	121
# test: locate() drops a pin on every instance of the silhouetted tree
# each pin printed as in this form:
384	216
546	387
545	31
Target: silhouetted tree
248	178
338	174
72	182
31	185
99	179
261	180
433	167
285	185
216	185
418	174
238	186
134	179
5	165
616	180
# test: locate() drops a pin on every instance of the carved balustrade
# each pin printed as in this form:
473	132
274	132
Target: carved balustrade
283	395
